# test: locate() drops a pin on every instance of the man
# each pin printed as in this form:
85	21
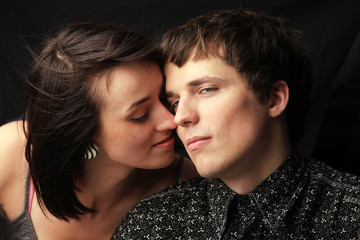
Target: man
238	83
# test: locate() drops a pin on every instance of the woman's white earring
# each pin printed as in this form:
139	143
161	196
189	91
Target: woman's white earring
91	151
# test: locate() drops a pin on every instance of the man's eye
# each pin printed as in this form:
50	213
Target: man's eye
174	106
208	90
140	119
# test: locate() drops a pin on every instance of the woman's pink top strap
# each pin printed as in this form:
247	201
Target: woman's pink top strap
31	195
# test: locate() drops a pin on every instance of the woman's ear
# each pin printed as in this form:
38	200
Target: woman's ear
278	99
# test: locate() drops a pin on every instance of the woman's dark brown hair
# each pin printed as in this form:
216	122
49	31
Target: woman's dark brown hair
62	115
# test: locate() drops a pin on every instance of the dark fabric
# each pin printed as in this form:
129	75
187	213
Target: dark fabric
22	227
4	227
302	199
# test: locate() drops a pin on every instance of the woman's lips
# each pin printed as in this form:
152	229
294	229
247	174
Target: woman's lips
166	142
195	143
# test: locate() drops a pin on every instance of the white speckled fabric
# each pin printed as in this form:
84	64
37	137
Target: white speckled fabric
302	199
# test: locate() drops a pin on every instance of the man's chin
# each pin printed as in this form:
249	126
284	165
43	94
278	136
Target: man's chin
206	172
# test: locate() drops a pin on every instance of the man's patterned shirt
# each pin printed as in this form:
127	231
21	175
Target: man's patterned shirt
302	199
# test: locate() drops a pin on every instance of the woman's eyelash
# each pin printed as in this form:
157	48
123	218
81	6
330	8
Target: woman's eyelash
140	119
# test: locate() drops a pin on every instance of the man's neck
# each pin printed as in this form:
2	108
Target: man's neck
262	164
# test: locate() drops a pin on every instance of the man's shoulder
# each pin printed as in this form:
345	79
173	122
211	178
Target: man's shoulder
339	192
171	198
337	197
320	171
166	213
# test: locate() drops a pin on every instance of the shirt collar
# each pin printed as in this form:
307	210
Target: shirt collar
273	197
278	192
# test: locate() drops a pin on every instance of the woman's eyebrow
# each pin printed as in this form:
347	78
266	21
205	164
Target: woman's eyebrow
138	102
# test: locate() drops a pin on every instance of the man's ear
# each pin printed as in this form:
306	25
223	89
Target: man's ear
278	99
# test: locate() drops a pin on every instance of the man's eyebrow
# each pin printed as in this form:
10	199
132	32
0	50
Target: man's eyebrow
138	102
206	79
197	82
169	94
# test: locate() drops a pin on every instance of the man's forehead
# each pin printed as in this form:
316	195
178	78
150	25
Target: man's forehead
198	68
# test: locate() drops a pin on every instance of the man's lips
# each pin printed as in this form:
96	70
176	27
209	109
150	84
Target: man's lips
197	142
168	141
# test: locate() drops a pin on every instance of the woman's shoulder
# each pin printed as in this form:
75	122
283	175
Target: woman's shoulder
12	140
12	149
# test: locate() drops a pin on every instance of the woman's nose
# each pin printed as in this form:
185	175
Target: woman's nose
166	120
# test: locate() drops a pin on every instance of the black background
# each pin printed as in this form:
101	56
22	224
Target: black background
331	36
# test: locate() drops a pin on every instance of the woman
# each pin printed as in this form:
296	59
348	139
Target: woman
96	137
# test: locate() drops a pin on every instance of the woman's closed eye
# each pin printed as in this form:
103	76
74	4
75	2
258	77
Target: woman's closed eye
140	118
